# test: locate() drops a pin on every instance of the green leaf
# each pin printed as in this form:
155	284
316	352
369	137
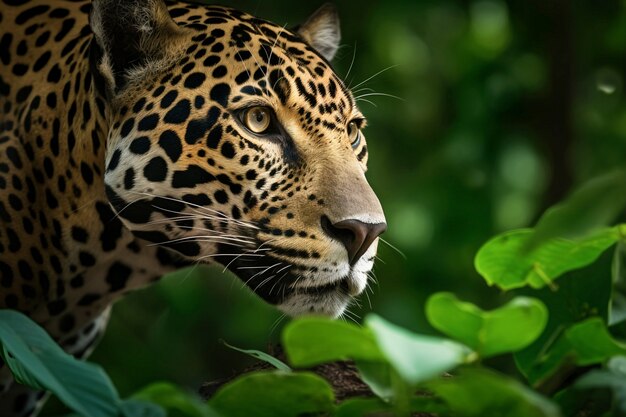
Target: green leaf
37	361
363	407
374	407
276	363
309	341
274	394
478	392
613	378
571	303
488	332
502	261
414	357
136	408
592	342
175	401
386	383
378	377
594	205
582	344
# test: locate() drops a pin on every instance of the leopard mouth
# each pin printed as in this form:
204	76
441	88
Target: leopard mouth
339	285
276	288
342	285
281	283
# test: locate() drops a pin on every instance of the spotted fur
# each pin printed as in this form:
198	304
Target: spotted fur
124	154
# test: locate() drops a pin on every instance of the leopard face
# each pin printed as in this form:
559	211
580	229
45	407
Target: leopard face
232	140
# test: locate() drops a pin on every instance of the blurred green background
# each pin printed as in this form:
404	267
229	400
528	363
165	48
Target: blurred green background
504	107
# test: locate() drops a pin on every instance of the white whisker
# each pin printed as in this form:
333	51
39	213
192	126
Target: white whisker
210	211
360	97
351	63
392	247
257	62
358	90
375	75
269	59
241	255
262	283
367	101
277	281
277	322
283	268
214	239
266	269
369	300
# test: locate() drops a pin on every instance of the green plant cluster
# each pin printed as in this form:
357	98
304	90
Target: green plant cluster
563	322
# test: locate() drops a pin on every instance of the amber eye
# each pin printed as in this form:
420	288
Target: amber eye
354	134
257	119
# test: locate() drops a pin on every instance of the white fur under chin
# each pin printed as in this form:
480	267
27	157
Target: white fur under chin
332	305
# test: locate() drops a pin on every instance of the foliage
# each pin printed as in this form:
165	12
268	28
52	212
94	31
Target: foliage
175	401
504	262
37	361
488	332
275	362
274	394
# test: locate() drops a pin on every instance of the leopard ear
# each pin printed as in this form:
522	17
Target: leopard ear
131	35
321	31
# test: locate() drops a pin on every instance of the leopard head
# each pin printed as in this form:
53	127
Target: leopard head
231	139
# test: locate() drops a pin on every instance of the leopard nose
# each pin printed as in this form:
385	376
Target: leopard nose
355	235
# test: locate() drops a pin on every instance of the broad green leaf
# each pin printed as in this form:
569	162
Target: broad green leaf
175	401
478	392
415	357
502	261
613	378
571	303
274	394
363	407
592	342
374	407
594	205
276	363
309	341
506	329
36	360
582	344
136	408
378	377
387	384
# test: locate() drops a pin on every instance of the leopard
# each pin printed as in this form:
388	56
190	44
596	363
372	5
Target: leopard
138	137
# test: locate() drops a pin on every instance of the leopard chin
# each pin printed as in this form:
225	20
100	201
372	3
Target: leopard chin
330	300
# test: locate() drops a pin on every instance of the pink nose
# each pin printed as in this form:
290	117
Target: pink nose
355	235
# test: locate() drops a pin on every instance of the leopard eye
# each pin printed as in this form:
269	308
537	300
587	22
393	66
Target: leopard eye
354	134
257	119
